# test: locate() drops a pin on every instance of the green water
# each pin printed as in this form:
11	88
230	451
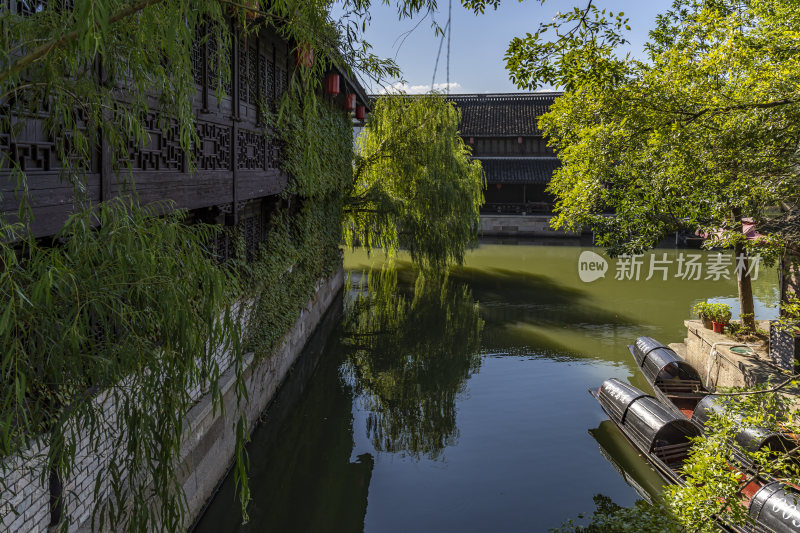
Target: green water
427	412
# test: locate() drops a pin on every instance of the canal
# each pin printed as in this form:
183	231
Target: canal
463	406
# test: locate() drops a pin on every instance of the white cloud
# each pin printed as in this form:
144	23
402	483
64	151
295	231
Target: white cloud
420	89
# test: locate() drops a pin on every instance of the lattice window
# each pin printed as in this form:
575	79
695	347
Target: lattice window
253	230
269	81
274	149
30	7
198	54
213	152
252	150
244	85
220	246
252	75
262	78
38	151
214	69
281	82
161	149
27	8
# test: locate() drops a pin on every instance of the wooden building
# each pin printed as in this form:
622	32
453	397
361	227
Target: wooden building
238	159
503	133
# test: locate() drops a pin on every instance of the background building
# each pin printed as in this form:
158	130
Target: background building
504	136
503	133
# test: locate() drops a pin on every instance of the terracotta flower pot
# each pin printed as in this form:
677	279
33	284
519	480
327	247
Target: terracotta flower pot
707	322
719	327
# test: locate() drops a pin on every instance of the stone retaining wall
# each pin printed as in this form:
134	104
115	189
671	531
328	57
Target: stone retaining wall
723	367
208	448
520	225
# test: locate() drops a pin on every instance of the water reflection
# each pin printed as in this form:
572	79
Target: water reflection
462	406
627	461
303	475
410	348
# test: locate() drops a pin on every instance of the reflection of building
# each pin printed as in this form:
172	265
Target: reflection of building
504	136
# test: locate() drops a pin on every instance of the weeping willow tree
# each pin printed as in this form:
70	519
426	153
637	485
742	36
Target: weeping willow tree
415	186
107	327
412	349
128	314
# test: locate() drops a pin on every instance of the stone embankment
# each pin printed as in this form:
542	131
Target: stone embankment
719	364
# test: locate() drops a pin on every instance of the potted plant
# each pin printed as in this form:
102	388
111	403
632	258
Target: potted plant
720	315
703	312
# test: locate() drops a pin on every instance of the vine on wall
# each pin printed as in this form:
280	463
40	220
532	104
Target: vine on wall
126	310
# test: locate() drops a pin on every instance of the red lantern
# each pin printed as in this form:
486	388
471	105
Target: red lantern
499	186
361	112
472	140
519	140
304	55
350	102
332	84
250	14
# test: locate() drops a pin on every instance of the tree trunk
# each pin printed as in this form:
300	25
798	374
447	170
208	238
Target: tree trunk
790	274
743	281
745	286
56	498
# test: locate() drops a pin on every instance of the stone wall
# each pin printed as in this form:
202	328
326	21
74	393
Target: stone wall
208	448
210	444
520	225
722	367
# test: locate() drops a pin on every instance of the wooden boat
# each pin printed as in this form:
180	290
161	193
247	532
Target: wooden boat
679	387
675	382
750	438
662	436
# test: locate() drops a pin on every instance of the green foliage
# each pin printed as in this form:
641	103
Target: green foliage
718	312
612	518
712	487
581	51
702	309
415	185
702	133
301	248
127	312
124	314
789	319
412	346
318	150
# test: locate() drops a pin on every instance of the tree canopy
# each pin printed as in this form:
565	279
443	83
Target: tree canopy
415	186
126	310
703	131
697	135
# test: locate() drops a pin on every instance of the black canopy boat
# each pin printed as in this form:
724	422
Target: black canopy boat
662	436
679	387
658	433
675	382
750	438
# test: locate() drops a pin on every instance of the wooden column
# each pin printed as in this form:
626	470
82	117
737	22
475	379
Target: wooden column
235	82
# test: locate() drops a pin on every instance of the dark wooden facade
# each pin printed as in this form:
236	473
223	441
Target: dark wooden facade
503	133
237	159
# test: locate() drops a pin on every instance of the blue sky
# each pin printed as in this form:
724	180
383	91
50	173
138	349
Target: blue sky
478	42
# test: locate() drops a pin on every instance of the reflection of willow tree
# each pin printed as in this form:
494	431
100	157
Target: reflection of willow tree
410	352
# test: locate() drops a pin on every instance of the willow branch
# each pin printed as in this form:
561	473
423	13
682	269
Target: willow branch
45	49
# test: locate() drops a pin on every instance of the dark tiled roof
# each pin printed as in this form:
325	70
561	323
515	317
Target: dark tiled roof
502	114
519	170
